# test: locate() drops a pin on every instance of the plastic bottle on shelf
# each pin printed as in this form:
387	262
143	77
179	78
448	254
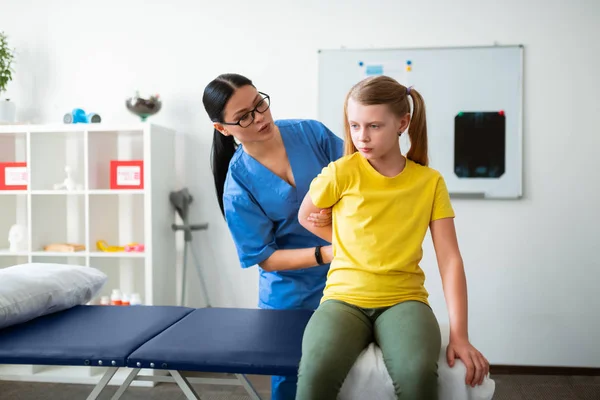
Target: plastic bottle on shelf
135	299
125	300
115	297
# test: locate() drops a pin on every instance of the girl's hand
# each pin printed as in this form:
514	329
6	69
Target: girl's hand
477	365
322	218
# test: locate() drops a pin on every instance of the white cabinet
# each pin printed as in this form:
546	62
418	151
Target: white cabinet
87	211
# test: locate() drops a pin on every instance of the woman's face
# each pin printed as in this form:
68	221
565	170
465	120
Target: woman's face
247	116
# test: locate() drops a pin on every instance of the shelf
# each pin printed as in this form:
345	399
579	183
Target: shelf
102	192
81	254
121	254
8	253
12	192
98	192
77	132
61	128
11	134
57	192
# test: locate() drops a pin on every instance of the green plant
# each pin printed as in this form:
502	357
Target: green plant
6	60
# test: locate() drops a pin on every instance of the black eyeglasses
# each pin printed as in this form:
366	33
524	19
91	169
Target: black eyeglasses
248	118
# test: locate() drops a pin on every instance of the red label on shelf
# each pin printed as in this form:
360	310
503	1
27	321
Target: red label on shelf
126	174
13	176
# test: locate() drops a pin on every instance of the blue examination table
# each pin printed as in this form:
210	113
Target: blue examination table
168	338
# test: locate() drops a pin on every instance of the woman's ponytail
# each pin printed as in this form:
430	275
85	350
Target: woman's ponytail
216	95
223	148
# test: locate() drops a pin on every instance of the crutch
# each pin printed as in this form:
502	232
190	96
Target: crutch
181	200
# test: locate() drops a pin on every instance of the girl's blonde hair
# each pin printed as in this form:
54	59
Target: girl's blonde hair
385	90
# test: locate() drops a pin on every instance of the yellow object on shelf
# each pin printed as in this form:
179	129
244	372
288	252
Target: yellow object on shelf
103	246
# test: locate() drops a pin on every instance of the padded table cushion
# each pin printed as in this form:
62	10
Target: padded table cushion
85	335
244	341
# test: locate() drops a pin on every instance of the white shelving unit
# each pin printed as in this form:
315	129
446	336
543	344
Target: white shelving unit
91	213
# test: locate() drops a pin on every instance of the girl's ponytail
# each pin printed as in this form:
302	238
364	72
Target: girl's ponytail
417	130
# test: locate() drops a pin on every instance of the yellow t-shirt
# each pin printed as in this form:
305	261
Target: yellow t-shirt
378	224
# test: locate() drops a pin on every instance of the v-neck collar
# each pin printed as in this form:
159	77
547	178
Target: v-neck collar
269	178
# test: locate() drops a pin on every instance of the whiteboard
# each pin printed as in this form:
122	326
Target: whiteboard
473	99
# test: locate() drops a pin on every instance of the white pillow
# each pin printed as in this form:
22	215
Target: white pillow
28	291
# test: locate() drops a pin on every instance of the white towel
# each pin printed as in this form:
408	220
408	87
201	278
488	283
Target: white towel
369	379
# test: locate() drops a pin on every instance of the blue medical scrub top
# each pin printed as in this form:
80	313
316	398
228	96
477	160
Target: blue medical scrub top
261	211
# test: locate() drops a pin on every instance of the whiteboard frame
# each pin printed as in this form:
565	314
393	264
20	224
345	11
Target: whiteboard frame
519	117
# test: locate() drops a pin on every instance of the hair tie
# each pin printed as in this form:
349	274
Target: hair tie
408	90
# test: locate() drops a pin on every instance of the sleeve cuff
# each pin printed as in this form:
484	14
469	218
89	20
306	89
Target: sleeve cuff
250	260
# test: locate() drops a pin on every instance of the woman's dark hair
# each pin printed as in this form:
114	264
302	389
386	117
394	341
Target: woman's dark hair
216	95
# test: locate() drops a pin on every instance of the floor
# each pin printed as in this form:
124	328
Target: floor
513	387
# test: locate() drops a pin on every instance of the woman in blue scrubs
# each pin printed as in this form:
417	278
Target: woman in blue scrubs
260	184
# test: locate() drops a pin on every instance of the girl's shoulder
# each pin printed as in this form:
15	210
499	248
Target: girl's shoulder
345	168
425	171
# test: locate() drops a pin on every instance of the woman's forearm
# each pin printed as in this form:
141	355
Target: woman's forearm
287	260
455	290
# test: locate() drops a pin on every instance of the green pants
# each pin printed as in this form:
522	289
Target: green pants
407	333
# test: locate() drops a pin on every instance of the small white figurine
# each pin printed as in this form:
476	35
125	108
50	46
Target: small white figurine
68	184
16	235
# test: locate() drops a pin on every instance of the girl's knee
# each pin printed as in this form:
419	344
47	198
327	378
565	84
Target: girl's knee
317	380
321	362
416	379
322	372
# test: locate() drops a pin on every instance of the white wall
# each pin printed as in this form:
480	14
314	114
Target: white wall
532	264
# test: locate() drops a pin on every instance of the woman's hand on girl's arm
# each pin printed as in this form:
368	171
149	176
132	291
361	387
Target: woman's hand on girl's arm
454	283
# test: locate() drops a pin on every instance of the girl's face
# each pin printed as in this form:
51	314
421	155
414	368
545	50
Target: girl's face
247	116
375	129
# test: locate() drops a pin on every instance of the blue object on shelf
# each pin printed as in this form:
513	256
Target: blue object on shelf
78	116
